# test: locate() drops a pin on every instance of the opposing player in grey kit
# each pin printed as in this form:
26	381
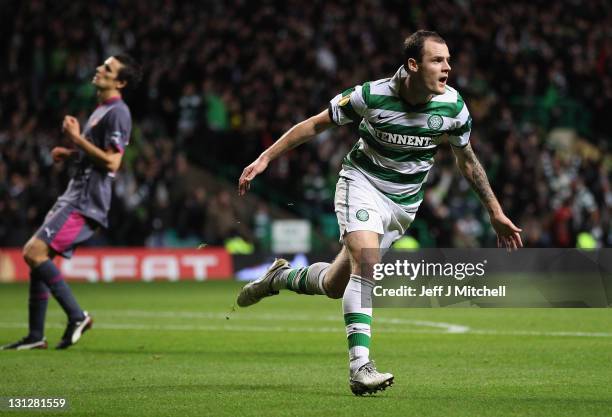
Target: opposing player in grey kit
84	206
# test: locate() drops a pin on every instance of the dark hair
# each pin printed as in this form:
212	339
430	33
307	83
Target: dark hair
413	45
130	70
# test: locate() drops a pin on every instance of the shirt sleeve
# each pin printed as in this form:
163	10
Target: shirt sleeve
460	134
348	106
118	128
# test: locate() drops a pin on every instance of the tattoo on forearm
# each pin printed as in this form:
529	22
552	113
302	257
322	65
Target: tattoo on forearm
478	178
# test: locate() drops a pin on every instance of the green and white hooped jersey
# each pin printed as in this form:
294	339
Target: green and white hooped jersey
398	141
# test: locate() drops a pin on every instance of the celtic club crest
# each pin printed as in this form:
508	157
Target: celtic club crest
435	122
362	215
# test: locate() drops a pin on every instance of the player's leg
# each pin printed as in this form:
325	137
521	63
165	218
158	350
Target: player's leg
39	292
320	278
38	255
356	303
35	252
363	248
63	230
338	275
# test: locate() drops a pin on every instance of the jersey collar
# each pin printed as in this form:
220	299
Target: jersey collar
396	81
110	100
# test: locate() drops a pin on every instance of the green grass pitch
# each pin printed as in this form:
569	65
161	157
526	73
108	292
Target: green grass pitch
166	349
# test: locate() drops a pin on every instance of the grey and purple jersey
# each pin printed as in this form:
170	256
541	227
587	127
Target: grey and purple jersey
90	188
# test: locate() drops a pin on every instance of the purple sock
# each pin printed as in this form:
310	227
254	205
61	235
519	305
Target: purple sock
48	272
37	307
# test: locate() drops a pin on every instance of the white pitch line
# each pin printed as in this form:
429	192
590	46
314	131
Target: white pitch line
450	328
538	333
207	328
289	329
447	327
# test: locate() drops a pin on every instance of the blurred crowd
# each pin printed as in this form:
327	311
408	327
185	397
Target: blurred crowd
224	79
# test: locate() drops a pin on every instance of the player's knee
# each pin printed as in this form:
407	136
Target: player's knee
34	252
364	249
370	257
26	252
364	262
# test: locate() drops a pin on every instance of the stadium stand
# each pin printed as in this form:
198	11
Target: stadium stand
224	80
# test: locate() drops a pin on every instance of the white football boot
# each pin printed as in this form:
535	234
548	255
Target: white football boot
254	291
367	380
74	331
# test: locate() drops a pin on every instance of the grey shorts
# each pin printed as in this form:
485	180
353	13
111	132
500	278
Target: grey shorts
64	228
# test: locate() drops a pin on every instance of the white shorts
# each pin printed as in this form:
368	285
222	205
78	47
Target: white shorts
360	206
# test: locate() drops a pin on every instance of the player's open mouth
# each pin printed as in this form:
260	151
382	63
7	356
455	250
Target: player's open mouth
443	79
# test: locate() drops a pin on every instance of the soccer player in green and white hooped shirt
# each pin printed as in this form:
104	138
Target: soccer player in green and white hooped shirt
401	121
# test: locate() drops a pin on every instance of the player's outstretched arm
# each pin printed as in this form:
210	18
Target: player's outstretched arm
295	136
508	235
106	159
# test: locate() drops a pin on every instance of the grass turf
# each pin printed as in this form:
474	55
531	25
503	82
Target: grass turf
167	349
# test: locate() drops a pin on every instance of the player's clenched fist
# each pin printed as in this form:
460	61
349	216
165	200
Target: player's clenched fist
251	172
71	127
